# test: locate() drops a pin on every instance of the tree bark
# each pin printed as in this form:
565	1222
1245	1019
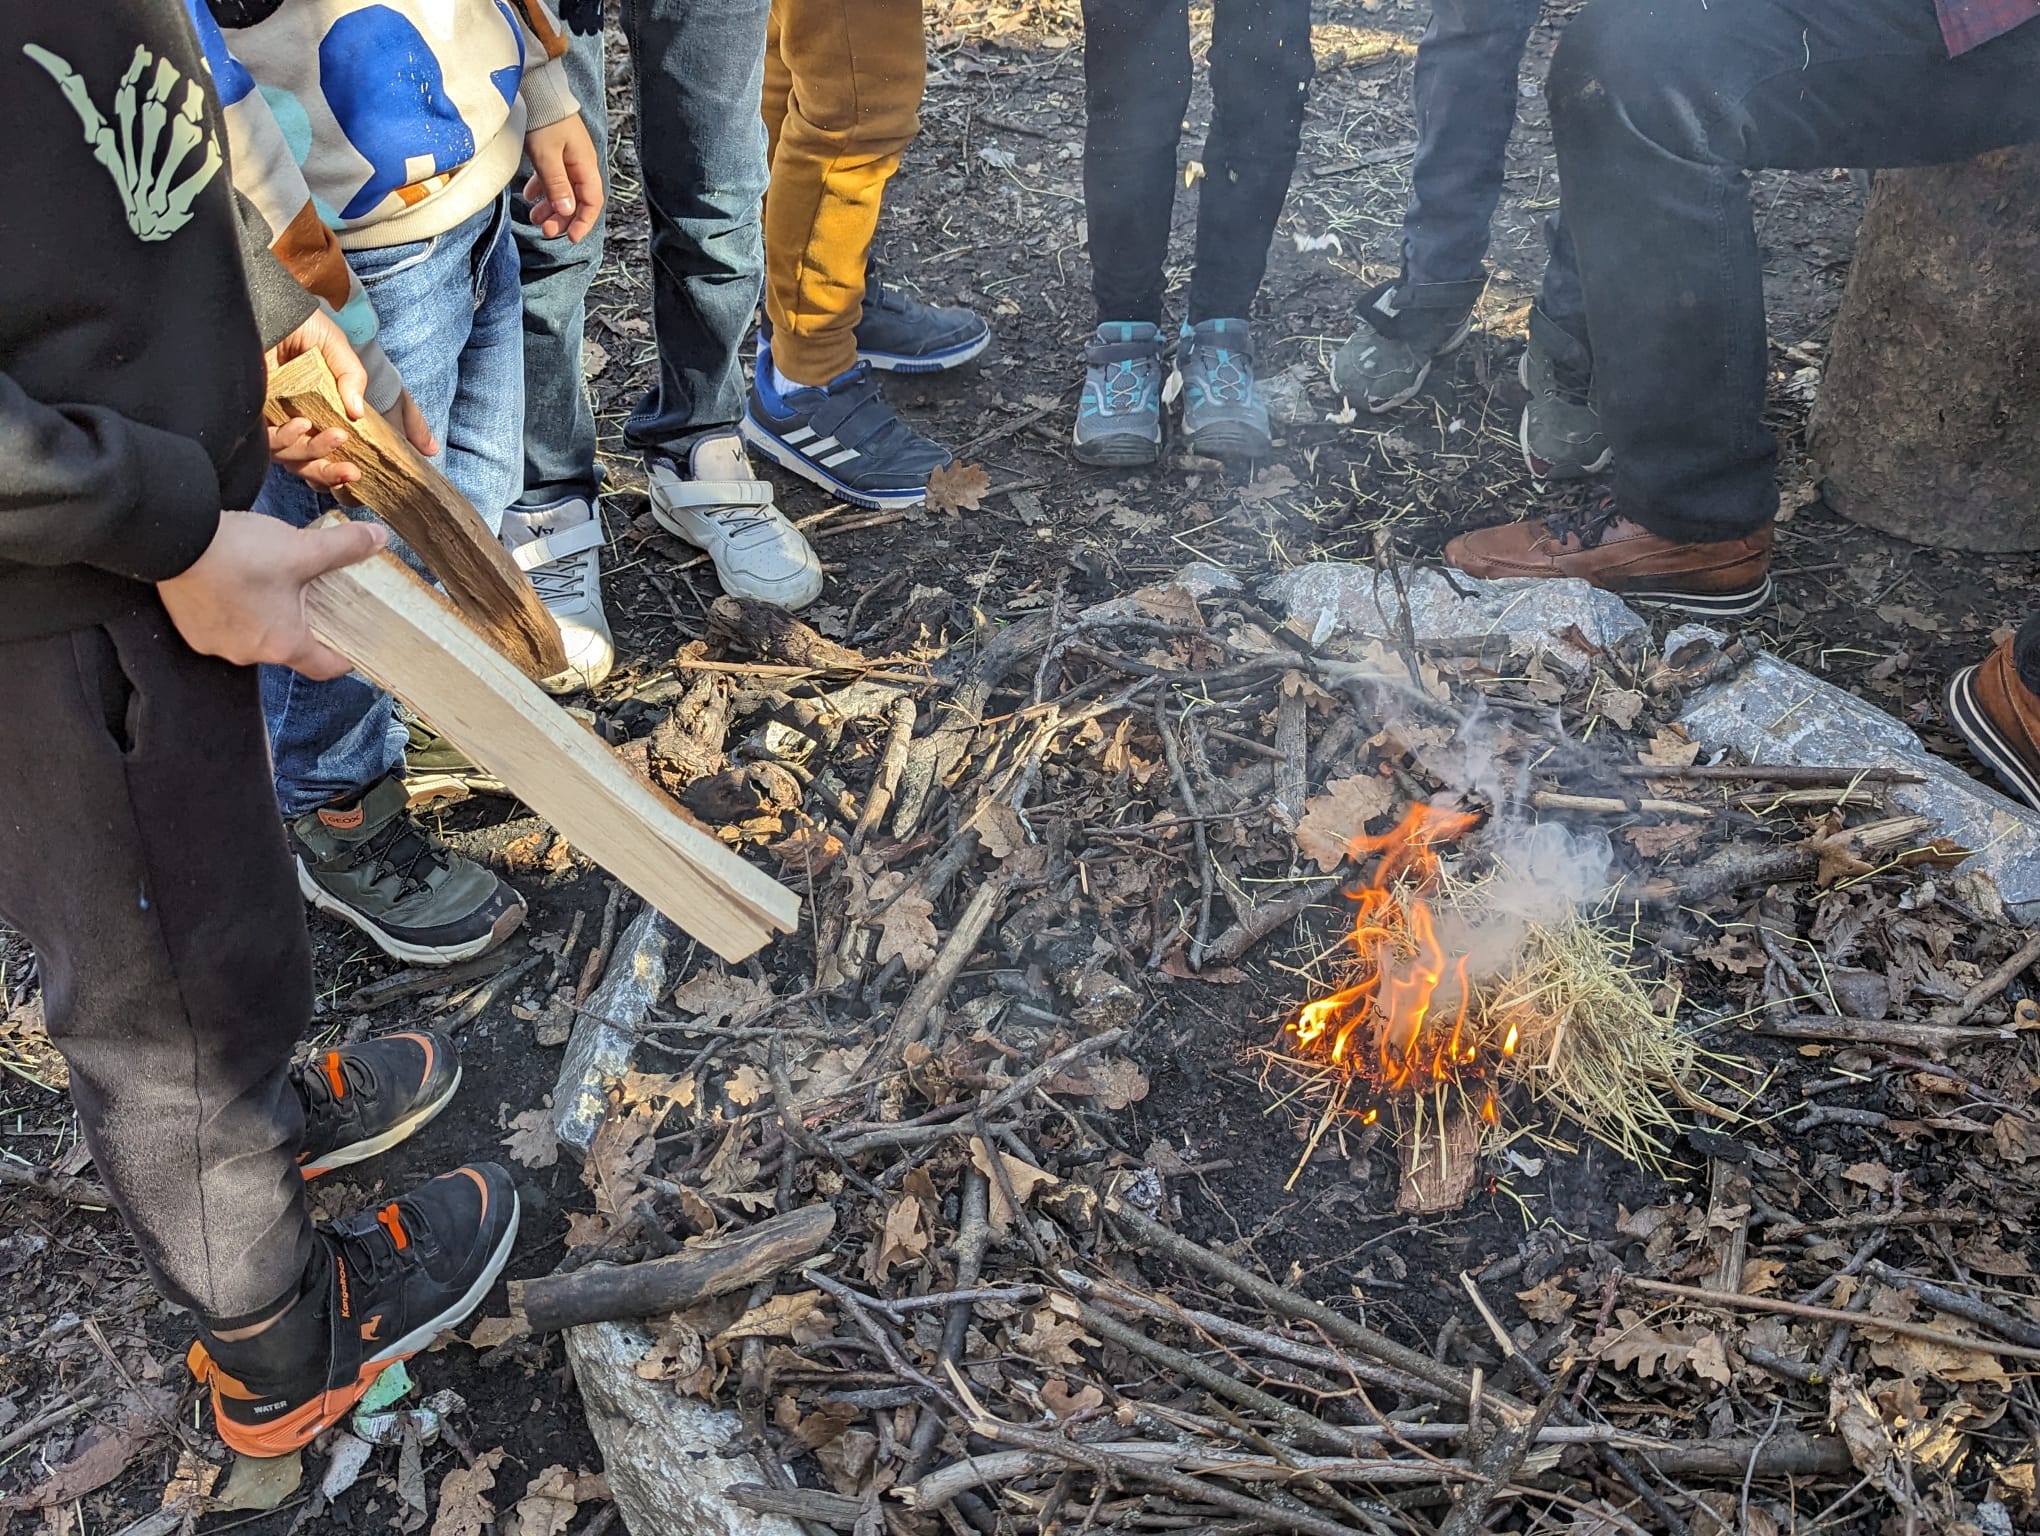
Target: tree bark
1927	425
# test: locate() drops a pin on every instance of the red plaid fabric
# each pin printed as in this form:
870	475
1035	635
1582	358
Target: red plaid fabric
1967	24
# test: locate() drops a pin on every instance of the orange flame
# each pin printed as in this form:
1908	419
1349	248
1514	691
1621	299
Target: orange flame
1401	1025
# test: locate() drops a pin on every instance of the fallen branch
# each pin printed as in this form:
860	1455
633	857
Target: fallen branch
1798	775
1993	984
1852	1031
1955	1304
1610	805
1258	922
1735	1301
600	1295
59	1186
956	1125
1498	1464
936	981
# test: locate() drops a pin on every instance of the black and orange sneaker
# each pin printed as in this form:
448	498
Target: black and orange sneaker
384	1285
361	1100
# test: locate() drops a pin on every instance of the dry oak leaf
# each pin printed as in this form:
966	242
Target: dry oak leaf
1115	1083
1547	1301
531	1141
1064	1404
1642	1347
1664	839
714	995
1048	1339
1670	749
797	1315
491	1331
746	1086
464	1504
1619	705
958	488
908	930
904	1239
1760	1277
1334	819
1709	1359
548	1505
1025	1179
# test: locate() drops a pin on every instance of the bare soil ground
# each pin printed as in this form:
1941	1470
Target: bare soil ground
988	211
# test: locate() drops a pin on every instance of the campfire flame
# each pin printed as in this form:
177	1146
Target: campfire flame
1400	1027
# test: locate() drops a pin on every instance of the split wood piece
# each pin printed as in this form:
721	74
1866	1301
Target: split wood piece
1500	1460
1438	1166
1794	775
423	509
1933	1038
607	1025
1610	805
892	762
1993	984
1445	1378
1292	785
405	636
612	1294
1832	1315
768	633
799	1504
59	1186
1728	1207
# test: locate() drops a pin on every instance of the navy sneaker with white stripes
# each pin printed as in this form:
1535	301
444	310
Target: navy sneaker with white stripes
897	333
842	436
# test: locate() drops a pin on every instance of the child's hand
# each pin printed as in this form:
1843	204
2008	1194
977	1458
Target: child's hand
305	452
565	190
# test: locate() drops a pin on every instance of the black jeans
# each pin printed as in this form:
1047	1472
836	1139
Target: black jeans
1136	90
140	853
1661	108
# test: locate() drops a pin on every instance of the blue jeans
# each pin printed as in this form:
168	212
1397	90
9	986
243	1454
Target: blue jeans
559	420
1466	73
449	313
699	72
1661	109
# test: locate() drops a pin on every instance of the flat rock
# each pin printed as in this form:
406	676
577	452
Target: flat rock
667	1457
1778	713
1333	598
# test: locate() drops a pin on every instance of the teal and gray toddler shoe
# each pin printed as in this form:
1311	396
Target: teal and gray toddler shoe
1224	416
1119	418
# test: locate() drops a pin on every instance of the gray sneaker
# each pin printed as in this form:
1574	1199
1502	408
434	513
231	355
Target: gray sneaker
1561	434
1224	416
1119	418
369	862
1386	361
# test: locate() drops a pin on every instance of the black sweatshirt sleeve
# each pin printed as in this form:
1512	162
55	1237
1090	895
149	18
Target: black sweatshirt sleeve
281	304
83	485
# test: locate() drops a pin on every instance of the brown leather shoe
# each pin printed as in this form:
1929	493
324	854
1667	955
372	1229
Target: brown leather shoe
1721	581
1999	716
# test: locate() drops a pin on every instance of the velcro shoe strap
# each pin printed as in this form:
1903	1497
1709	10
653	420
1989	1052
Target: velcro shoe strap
858	425
1098	353
576	540
715	493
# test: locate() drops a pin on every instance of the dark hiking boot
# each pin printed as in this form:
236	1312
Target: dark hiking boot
1387	359
436	772
1999	716
361	1100
897	333
370	862
1224	416
1560	433
1721	580
382	1286
843	436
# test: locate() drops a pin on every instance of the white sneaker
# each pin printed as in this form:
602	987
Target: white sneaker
559	548
720	507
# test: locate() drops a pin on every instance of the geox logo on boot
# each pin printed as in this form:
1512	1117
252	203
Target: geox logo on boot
342	821
157	205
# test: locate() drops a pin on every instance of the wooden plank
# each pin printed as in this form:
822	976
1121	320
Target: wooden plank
426	512
406	637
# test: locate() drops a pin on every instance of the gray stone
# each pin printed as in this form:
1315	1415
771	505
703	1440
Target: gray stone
1775	712
667	1457
1332	598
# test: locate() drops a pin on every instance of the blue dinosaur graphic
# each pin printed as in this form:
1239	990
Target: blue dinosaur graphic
231	79
510	76
383	84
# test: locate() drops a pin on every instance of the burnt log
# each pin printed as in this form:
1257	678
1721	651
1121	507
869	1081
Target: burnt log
1927	424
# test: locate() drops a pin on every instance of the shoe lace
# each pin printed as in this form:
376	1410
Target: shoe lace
318	1088
401	848
557	579
369	1248
1589	525
1228	376
1125	384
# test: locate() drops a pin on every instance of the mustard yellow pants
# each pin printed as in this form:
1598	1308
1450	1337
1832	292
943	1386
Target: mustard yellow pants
843	83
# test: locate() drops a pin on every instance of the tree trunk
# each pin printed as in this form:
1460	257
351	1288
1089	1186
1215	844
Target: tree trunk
1928	420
